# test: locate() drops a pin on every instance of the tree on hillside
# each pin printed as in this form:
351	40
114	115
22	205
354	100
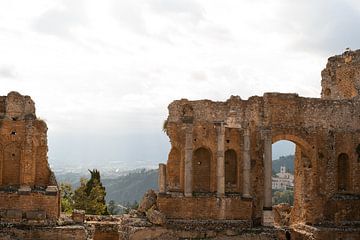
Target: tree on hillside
67	197
90	196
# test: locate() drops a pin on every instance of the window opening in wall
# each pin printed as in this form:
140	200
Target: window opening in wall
283	181
201	164
231	170
327	92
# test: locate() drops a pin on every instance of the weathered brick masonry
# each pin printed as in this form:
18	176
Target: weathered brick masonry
217	180
28	189
221	149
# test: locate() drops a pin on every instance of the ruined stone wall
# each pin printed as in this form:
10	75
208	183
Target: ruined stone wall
341	77
202	207
23	144
26	181
20	206
323	129
43	233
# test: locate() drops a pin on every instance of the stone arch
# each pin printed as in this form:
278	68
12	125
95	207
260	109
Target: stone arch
173	169
11	165
343	171
230	169
201	166
304	145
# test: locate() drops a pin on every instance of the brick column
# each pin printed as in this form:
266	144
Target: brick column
220	169
162	178
267	170
247	165
188	160
1	165
268	216
27	162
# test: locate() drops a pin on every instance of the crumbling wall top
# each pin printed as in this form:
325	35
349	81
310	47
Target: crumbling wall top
341	77
15	106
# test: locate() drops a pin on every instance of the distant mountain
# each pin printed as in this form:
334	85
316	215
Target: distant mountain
287	161
131	187
127	187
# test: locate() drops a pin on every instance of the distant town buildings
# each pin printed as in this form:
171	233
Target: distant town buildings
283	180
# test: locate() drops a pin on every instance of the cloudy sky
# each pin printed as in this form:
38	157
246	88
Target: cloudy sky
103	72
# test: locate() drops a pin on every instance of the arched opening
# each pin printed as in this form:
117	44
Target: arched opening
11	165
343	172
327	92
283	155
230	170
173	170
298	170
201	170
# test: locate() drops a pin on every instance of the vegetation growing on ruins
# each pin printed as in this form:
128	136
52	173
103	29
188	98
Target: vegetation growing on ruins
67	197
133	185
90	196
283	196
164	127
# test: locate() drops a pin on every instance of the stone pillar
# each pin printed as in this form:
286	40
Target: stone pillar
220	169
267	170
246	165
27	162
1	165
188	160
162	178
268	216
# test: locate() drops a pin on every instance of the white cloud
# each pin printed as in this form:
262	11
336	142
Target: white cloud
325	26
7	71
114	66
61	20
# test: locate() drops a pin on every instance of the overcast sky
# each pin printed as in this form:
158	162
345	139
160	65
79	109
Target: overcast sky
103	72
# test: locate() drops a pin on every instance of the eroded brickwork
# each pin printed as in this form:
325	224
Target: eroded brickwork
26	181
326	132
340	78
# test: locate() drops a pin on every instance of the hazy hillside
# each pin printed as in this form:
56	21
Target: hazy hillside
128	186
131	187
287	161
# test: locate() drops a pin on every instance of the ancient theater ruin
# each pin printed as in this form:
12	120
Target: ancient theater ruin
220	163
28	189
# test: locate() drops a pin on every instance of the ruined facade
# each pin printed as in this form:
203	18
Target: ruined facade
28	189
220	162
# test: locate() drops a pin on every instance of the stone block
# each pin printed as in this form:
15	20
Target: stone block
268	218
36	215
14	214
2	213
148	200
23	190
78	216
52	190
155	216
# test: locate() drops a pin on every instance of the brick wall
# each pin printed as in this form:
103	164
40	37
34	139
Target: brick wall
203	207
33	201
322	129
